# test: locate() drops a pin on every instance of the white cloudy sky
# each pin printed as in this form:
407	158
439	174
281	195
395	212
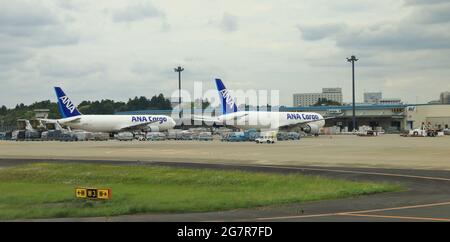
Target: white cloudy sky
120	49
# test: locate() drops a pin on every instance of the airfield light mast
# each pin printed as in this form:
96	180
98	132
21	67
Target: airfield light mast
179	70
352	59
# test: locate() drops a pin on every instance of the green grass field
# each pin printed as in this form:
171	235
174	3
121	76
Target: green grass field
47	190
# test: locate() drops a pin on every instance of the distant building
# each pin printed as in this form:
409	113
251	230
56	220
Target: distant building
372	97
390	101
435	102
445	98
309	99
41	113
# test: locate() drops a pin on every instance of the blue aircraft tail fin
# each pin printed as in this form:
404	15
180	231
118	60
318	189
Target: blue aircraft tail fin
228	104
66	107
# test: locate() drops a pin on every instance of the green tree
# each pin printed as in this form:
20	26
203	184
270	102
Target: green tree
3	110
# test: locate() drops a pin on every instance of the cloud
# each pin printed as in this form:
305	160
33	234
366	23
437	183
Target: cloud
321	31
24	24
424	2
61	68
412	32
229	23
113	49
137	11
19	14
431	14
393	37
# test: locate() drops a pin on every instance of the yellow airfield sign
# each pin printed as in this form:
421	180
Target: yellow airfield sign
93	193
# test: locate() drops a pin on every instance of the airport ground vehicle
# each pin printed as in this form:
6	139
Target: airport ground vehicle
171	136
52	134
125	136
424	131
99	136
251	134
8	135
32	135
81	135
369	133
185	135
293	136
67	136
268	137
18	135
205	136
236	137
265	139
155	136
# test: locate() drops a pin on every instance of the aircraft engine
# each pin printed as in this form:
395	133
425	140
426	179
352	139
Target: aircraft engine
311	129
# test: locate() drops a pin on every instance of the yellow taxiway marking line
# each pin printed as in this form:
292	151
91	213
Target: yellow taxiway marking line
395	217
363	212
400	208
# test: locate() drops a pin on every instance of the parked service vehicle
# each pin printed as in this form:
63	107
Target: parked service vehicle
54	134
268	137
125	136
265	139
99	136
186	135
32	135
171	136
7	135
205	136
282	136
447	131
251	134
44	136
18	135
293	136
67	135
81	135
155	136
237	137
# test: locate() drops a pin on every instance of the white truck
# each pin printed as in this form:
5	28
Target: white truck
269	137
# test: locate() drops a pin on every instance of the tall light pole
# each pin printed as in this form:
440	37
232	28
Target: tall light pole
352	59
179	70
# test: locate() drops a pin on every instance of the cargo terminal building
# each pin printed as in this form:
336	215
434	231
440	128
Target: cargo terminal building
392	118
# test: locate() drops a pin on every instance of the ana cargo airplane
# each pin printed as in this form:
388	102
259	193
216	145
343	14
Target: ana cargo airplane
308	122
108	123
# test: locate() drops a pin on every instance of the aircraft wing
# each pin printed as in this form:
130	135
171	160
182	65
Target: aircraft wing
45	120
138	126
206	119
65	121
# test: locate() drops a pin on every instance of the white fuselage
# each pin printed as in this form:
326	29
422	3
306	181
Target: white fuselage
116	123
270	120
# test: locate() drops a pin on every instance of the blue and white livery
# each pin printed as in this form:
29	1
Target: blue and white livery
72	118
309	122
